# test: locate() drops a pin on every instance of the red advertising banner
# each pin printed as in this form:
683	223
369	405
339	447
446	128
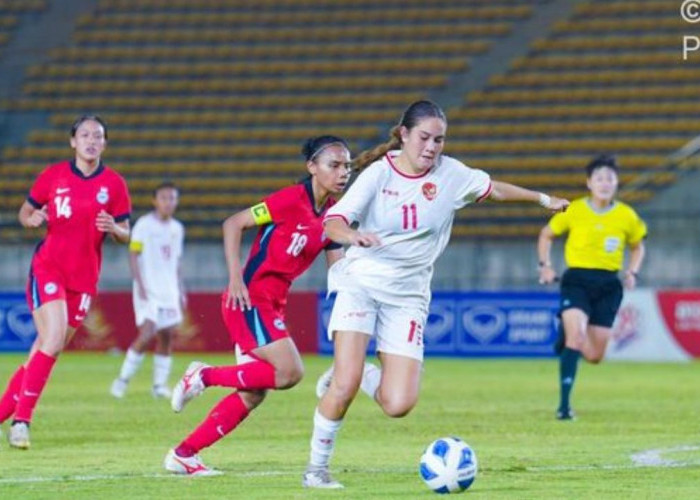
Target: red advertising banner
111	325
681	313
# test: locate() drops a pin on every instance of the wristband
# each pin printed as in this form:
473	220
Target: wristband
544	200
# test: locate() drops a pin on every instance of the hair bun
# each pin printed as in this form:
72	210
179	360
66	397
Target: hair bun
307	149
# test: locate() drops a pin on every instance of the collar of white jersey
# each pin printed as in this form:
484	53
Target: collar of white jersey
390	157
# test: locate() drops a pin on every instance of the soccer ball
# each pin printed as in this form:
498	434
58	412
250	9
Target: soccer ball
448	465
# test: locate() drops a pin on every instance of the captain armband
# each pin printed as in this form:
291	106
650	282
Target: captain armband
261	214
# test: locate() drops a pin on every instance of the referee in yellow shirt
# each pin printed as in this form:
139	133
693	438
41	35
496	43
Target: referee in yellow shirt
599	228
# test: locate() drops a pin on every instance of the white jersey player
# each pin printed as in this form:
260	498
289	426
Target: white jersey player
404	204
158	294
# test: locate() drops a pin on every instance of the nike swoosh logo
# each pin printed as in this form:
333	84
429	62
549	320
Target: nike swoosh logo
301	227
30	394
62	190
79	318
239	373
220	430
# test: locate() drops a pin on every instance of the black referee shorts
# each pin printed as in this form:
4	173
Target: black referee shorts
596	292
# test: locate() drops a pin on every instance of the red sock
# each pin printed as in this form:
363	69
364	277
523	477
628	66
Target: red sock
256	375
36	375
222	419
9	399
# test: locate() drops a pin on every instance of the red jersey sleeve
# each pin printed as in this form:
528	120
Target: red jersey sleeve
280	202
120	207
40	190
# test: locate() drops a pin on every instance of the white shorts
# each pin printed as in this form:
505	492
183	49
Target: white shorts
163	316
398	330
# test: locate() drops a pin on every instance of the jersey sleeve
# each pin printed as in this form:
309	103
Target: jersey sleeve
273	207
637	229
137	237
40	190
120	208
473	186
560	222
356	200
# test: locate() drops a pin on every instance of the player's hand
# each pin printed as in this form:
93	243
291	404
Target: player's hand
183	301
364	239
237	295
630	281
142	293
557	204
105	222
547	275
38	217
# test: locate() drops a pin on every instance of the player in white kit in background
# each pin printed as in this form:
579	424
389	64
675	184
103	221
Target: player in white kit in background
404	203
158	293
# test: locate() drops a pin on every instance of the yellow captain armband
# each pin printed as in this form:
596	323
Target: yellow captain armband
261	214
135	246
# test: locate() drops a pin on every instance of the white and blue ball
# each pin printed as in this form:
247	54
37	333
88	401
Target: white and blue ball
448	465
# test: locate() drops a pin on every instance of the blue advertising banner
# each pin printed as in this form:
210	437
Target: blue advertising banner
479	324
17	330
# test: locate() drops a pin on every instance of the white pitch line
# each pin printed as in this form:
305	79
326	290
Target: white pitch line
564	468
647	458
108	477
654	457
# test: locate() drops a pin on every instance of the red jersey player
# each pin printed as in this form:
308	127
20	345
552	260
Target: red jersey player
290	238
81	201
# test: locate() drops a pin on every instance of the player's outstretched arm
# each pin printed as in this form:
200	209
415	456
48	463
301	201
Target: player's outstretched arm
504	191
29	216
339	231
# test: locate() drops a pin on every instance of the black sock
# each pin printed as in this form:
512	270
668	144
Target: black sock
568	362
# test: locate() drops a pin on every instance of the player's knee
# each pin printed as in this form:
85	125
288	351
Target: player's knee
344	388
397	407
574	341
53	342
288	377
252	399
595	358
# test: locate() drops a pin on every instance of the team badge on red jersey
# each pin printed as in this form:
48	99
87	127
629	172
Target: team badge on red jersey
103	195
429	191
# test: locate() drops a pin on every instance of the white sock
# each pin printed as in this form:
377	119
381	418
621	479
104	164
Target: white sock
371	376
132	363
161	369
323	439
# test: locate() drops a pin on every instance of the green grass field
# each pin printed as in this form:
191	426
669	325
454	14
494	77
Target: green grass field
85	444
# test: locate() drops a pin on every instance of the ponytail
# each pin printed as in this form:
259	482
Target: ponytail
371	155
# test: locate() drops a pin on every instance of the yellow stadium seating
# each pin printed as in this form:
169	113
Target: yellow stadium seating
218	95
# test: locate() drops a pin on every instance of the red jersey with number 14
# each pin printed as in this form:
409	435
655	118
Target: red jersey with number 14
73	244
287	246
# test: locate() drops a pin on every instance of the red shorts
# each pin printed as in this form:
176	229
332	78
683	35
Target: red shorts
44	286
259	326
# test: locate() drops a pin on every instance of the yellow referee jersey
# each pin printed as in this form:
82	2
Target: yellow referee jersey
597	240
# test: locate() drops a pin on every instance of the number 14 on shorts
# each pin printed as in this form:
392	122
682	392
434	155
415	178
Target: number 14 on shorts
415	333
